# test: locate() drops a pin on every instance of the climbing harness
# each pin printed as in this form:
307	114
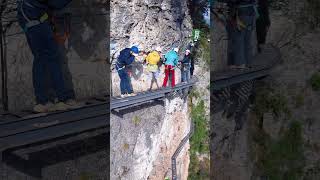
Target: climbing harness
31	23
61	37
254	6
170	69
239	23
185	65
119	68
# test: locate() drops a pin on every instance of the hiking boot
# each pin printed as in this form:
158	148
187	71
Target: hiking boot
60	106
73	104
132	94
42	108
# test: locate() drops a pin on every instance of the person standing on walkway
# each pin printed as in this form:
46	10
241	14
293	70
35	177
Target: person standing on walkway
192	52
126	57
152	61
171	61
185	66
240	25
34	19
263	23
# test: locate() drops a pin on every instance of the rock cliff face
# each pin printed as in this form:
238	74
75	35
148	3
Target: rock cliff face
148	24
145	138
86	55
292	108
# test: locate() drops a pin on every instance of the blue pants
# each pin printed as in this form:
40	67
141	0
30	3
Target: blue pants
185	73
240	46
46	57
66	75
125	82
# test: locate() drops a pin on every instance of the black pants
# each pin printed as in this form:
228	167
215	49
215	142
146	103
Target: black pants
261	30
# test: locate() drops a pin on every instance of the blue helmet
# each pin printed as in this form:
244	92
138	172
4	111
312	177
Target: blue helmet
135	49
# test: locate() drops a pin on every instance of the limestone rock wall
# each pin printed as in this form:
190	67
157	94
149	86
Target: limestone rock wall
145	138
148	24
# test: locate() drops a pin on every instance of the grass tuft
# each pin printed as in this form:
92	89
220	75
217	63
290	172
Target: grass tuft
315	81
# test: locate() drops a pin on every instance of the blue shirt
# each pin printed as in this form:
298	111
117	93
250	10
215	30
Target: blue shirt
171	58
125	57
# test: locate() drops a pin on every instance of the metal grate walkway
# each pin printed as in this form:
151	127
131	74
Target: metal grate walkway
145	97
19	131
262	65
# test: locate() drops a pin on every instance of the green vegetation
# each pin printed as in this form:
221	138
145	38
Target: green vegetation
199	143
278	158
204	49
197	10
194	94
136	120
198	169
200	138
315	81
283	159
299	100
268	100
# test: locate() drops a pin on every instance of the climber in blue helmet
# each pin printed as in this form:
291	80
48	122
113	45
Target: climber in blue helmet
34	19
126	57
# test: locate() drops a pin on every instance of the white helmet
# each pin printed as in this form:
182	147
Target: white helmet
159	49
176	49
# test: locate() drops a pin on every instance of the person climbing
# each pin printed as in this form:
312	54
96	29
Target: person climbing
185	67
152	61
126	57
263	23
240	25
171	61
33	18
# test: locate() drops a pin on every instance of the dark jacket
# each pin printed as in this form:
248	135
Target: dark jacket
34	9
263	9
125	58
186	59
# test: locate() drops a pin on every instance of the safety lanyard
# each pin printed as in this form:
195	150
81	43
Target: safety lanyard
66	29
30	23
255	7
118	68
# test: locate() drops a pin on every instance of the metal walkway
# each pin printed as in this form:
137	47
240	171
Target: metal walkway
29	131
263	63
178	151
233	90
145	97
